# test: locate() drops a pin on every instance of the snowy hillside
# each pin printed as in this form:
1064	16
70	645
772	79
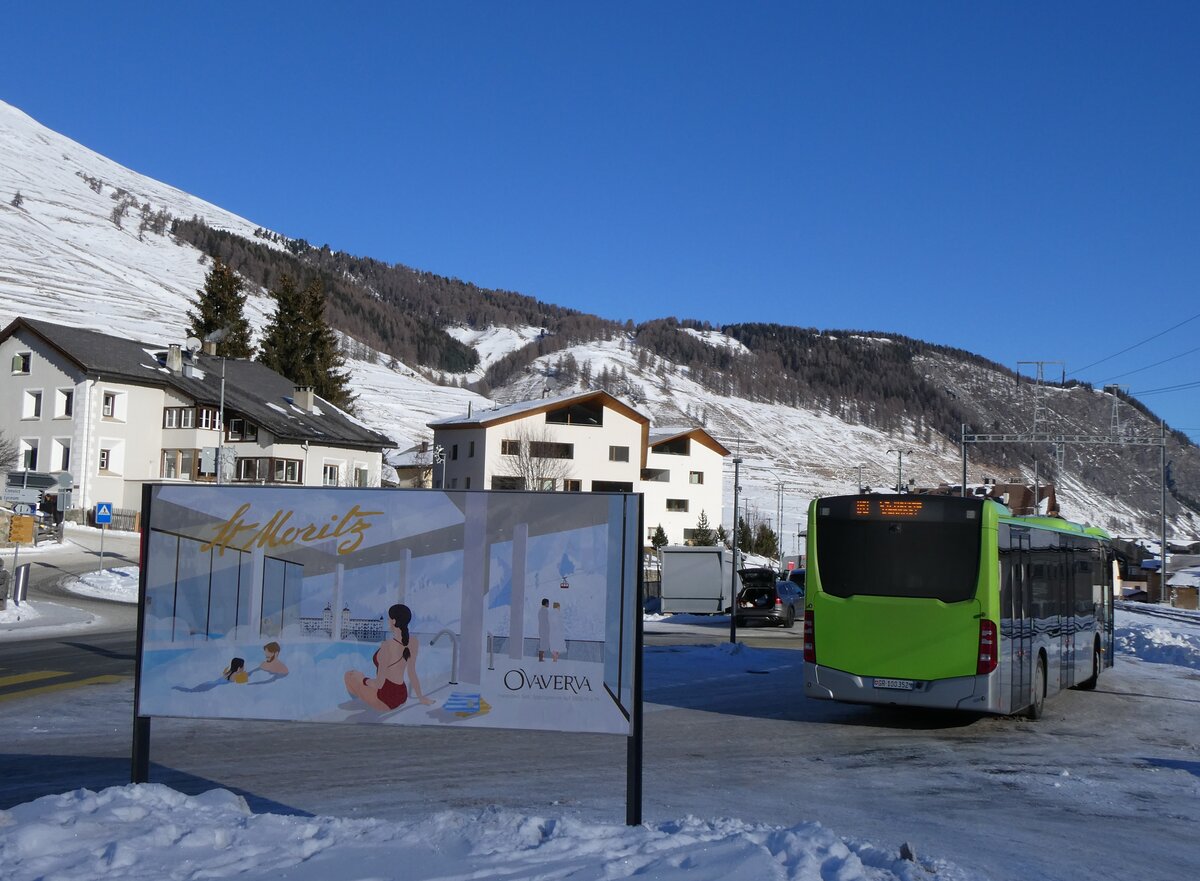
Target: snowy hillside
86	242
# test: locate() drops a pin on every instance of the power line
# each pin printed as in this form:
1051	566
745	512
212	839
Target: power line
1148	366
1167	388
1080	370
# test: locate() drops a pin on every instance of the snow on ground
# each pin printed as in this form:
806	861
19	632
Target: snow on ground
149	831
493	343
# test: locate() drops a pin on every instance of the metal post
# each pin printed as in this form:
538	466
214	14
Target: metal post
1037	502
733	543
900	468
964	458
634	751
221	422
103	529
1164	593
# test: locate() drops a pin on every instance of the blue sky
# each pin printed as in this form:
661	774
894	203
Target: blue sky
1015	180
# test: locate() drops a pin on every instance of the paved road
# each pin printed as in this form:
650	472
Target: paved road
33	663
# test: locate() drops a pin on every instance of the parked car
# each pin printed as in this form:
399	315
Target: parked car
767	600
796	577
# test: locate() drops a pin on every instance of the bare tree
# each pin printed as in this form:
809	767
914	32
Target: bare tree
537	458
8	452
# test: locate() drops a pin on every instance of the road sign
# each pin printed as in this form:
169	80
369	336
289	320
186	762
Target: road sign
103	513
20	529
28	494
23	509
32	479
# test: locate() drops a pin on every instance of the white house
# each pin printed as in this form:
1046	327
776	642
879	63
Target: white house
115	413
586	442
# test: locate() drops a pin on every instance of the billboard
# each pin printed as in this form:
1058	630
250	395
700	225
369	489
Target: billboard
403	607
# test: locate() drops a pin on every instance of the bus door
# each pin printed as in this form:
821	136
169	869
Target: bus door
1017	563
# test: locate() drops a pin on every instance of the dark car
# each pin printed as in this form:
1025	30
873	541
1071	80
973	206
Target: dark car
764	599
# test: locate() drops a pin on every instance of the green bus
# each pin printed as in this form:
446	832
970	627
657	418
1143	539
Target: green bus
952	602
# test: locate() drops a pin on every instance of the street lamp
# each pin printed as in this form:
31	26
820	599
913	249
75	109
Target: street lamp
733	540
900	467
215	337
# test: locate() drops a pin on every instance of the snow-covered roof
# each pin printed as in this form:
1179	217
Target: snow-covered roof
508	412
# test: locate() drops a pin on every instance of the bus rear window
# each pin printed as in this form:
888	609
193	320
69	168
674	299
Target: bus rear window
898	558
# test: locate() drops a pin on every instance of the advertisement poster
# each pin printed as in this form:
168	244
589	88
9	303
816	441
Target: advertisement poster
397	607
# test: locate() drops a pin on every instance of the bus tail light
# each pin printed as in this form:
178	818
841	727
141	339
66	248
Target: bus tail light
989	648
810	637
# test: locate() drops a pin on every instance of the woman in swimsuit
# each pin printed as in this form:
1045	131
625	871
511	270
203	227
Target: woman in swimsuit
395	657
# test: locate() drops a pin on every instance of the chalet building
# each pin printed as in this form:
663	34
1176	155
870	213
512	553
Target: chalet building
115	413
586	442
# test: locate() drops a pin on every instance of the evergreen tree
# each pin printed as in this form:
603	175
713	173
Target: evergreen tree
659	539
722	535
745	538
704	536
281	348
220	306
325	364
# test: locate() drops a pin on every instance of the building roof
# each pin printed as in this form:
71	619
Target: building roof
661	435
521	409
252	390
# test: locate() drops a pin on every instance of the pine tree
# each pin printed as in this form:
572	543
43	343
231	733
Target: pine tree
659	539
703	536
324	362
220	306
722	535
281	348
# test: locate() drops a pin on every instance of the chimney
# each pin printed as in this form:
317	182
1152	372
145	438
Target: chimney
175	358
209	347
304	398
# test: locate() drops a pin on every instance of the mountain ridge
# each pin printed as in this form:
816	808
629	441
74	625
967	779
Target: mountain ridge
69	252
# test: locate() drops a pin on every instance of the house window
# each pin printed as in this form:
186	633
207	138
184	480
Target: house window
508	483
466	483
179	417
454	452
31	407
20	362
252	469
108	406
611	486
286	470
329	474
695	477
618	454
29	454
178	464
510	448
62	453
680	446
238	429
677	505
572	486
471	450
207	417
546	484
64	402
105	459
656	475
551	450
362	477
453	483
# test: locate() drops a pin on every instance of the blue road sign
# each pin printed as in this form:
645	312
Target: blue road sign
103	513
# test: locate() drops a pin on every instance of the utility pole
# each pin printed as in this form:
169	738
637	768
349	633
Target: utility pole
733	542
1164	593
900	467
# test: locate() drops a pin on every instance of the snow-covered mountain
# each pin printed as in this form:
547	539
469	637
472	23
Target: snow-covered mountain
85	241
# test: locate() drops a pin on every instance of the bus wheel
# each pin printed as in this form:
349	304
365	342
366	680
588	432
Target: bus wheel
1090	683
1037	705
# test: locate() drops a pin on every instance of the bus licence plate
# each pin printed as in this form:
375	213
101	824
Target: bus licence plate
900	684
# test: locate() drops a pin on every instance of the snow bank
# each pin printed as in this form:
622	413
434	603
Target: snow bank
149	832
